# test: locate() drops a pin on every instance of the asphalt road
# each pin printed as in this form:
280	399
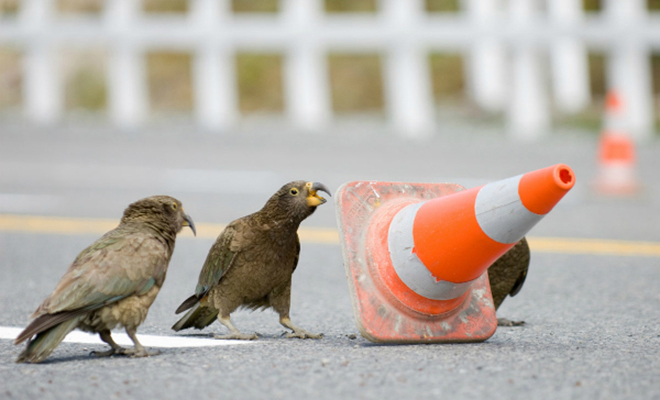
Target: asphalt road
593	319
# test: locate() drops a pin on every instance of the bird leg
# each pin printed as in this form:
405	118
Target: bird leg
298	332
138	350
507	322
234	332
114	347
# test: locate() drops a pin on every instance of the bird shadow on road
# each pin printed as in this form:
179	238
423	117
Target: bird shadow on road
208	335
86	355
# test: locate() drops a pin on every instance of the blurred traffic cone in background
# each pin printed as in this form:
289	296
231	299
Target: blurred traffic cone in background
616	152
416	254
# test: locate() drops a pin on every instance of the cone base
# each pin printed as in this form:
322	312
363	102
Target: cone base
380	317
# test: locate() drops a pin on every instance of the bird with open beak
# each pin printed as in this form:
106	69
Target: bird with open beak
251	263
111	283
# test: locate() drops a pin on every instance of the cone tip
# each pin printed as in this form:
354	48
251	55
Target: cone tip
542	189
563	176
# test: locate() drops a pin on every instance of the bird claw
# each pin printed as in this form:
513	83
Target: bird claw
237	336
144	353
100	354
121	351
301	334
124	352
507	322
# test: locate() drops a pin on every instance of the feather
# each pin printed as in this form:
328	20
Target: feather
198	317
507	274
187	304
46	341
47	321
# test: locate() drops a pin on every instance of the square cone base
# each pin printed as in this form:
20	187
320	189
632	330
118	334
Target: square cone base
380	317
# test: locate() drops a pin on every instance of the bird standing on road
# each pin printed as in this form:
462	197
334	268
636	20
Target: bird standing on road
507	276
252	262
111	283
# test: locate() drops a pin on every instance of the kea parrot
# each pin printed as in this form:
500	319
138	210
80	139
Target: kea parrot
111	283
507	276
251	263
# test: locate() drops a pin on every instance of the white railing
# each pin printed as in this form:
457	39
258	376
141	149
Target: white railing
506	49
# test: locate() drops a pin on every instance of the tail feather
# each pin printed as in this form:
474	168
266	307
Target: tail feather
47	321
198	316
46	341
187	304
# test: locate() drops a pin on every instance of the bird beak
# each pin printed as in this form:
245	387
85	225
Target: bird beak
187	221
313	199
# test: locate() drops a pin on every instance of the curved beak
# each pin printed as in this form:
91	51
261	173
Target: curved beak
319	186
313	199
187	221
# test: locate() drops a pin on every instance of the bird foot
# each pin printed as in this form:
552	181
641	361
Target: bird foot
119	351
124	352
143	353
303	334
507	322
237	336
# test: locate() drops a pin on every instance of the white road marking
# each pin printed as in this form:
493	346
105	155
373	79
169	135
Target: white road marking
122	339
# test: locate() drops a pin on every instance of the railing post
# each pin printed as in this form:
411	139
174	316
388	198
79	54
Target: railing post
487	83
570	76
43	82
528	116
409	96
629	65
127	78
306	80
214	83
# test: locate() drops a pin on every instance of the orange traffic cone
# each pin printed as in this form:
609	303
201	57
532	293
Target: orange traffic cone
616	152
416	254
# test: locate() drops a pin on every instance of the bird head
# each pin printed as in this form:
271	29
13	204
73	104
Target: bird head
164	212
298	199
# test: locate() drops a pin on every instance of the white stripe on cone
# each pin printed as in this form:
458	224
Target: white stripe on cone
409	267
500	212
500	215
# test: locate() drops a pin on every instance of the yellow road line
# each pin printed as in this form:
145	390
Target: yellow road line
78	226
603	247
81	226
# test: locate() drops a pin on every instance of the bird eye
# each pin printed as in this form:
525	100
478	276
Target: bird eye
294	192
174	206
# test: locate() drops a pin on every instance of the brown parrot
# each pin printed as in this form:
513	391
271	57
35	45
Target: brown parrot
507	276
111	283
251	263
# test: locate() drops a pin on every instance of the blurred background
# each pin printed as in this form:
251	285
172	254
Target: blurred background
526	67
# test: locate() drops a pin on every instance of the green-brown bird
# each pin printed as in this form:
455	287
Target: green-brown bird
111	283
507	276
251	263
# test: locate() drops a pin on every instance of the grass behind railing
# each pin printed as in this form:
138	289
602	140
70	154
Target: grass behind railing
356	80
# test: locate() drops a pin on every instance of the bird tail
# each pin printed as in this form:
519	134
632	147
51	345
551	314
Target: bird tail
187	304
199	316
46	341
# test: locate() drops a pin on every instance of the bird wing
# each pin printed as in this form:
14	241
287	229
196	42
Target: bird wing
524	260
116	266
519	283
221	257
297	257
